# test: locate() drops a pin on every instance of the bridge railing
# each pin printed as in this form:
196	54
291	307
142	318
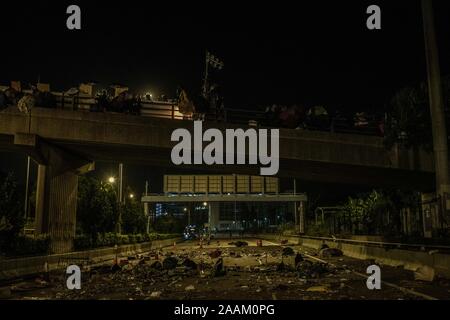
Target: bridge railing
239	116
83	102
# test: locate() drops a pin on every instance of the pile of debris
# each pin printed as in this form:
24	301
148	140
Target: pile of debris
158	274
238	244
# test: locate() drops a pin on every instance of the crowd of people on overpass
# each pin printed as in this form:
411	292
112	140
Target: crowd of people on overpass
124	101
320	118
103	101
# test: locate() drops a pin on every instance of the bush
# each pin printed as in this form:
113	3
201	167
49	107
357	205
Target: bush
84	242
132	238
317	231
123	239
25	245
11	214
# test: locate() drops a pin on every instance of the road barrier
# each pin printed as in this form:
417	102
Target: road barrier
27	266
391	254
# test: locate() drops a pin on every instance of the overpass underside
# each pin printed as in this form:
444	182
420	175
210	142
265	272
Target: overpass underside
305	170
65	144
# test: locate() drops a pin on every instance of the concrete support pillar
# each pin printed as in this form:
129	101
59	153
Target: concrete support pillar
56	203
57	187
214	215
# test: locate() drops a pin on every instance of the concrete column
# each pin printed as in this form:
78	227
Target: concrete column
56	207
57	187
214	215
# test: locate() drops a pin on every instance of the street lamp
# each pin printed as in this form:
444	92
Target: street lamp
111	179
189	215
131	196
205	204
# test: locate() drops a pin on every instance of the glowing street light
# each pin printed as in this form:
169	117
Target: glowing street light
111	179
131	196
205	204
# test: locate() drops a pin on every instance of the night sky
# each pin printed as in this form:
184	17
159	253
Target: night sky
283	52
310	52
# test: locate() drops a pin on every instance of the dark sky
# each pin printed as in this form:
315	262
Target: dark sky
306	52
312	52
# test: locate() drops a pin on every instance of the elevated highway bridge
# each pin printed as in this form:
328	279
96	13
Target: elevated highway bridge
67	143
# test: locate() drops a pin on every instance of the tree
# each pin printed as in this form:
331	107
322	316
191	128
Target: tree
409	121
133	217
366	212
97	210
169	224
11	211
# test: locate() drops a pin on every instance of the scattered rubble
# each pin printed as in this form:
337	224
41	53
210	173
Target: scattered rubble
215	254
188	263
115	267
170	263
298	259
239	243
237	272
156	265
155	294
308	269
330	252
288	251
317	289
424	273
218	268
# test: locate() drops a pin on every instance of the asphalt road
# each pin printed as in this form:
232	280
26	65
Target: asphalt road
250	272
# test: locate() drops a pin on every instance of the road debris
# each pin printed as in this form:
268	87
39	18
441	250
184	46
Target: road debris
239	272
189	288
170	263
317	289
239	243
424	273
288	251
215	254
330	252
155	294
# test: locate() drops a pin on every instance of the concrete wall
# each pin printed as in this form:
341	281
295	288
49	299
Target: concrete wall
19	267
409	259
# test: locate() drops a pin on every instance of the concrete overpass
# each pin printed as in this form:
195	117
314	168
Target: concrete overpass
67	143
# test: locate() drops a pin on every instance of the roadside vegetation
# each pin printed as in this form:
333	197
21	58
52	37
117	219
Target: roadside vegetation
98	215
